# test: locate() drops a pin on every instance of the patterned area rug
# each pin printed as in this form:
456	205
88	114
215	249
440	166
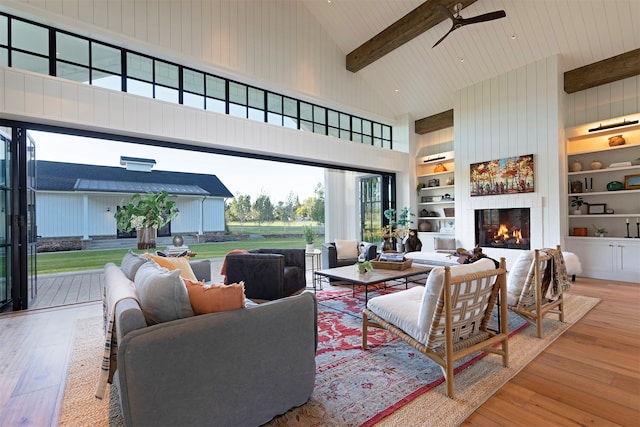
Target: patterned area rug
385	385
356	387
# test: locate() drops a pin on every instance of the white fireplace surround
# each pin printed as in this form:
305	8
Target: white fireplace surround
534	202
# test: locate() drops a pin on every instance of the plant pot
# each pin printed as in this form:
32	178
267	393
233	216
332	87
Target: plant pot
146	237
309	248
577	212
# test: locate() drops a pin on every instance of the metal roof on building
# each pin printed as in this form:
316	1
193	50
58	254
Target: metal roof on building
59	176
137	187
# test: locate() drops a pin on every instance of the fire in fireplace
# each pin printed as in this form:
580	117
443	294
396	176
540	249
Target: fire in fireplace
503	228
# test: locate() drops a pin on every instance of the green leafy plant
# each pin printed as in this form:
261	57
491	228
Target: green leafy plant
599	230
577	202
146	210
399	223
309	234
364	267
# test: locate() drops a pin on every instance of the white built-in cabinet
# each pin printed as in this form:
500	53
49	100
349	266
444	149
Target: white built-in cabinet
593	169
606	258
436	198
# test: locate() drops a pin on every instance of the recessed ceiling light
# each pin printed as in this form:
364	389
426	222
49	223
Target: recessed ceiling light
513	37
461	60
397	90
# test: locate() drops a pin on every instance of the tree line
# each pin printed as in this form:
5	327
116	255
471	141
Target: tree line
241	209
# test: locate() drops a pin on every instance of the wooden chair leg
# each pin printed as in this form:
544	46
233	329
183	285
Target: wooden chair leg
448	378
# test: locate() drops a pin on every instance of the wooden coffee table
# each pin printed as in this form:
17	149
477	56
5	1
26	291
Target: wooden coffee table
349	275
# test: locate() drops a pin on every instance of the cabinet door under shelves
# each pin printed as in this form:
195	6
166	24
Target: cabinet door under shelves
604	258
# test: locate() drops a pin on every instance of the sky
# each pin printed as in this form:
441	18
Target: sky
239	175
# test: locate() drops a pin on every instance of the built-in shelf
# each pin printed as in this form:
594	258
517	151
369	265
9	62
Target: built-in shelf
605	170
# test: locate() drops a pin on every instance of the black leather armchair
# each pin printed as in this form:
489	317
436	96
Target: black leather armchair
330	254
268	274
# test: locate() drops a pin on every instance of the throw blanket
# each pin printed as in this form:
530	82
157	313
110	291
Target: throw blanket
558	273
112	297
554	274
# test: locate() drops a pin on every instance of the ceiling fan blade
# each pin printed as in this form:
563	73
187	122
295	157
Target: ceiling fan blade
443	37
482	18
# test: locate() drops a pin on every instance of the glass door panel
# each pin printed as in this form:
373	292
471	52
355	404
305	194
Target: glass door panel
5	219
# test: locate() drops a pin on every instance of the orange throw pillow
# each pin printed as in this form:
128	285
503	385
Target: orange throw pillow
175	263
215	297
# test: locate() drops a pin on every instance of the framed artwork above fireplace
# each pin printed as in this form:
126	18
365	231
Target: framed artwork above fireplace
508	175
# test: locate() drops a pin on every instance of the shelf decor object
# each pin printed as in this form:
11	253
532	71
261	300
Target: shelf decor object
596	208
509	175
632	182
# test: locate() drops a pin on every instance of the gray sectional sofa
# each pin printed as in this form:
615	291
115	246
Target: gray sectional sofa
240	367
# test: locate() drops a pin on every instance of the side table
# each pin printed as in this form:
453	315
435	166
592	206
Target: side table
316	260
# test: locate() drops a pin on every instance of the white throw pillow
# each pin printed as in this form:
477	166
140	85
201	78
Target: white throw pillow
517	276
162	293
435	282
346	249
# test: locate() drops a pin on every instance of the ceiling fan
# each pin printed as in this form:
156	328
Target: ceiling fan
458	21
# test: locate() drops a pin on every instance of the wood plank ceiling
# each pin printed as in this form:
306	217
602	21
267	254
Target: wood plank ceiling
420	81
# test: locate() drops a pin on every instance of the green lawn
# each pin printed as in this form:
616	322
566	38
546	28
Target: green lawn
58	262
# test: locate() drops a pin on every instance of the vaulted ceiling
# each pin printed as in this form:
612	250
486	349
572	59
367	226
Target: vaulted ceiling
419	80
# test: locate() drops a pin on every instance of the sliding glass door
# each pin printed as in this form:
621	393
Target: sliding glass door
18	281
5	218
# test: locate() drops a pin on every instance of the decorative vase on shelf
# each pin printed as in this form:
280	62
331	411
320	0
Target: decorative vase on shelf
576	166
596	164
147	237
616	140
425	226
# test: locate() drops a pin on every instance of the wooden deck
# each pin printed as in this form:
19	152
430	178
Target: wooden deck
69	288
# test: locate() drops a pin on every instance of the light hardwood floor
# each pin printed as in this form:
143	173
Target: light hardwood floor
590	375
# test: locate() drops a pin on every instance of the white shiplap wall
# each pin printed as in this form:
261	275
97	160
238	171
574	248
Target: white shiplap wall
275	44
603	102
62	214
514	114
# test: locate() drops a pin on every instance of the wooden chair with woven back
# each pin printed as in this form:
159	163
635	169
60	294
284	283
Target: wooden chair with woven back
536	286
448	318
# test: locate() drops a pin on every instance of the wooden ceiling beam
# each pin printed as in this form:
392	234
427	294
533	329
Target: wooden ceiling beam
436	122
606	71
410	26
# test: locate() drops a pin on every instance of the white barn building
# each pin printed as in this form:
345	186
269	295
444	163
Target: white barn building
79	201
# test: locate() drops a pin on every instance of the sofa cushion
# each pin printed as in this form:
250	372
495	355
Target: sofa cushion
130	264
215	297
175	263
346	248
162	294
435	283
517	277
402	310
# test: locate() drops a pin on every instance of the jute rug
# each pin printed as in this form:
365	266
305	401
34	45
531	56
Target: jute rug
425	405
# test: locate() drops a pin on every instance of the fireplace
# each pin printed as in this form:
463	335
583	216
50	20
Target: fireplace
503	228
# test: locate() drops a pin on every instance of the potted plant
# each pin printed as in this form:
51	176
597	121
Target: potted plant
600	232
399	226
364	267
576	204
145	213
309	235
